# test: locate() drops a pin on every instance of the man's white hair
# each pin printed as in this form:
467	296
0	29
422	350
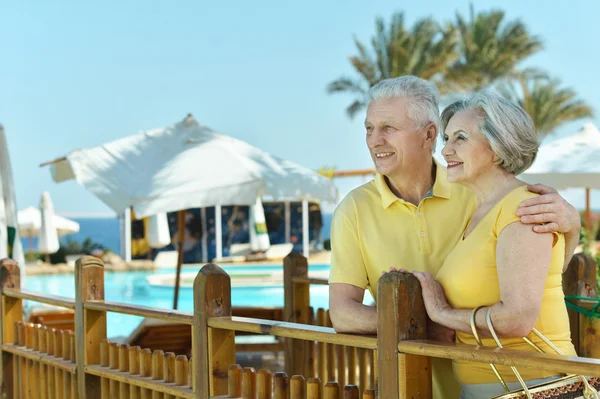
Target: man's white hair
423	104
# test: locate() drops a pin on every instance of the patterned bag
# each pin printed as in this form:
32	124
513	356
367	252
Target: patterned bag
568	387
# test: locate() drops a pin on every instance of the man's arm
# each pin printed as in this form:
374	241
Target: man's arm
557	214
347	312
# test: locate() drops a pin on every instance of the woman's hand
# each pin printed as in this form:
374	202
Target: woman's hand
433	296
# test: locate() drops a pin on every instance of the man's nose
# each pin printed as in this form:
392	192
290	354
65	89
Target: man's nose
375	139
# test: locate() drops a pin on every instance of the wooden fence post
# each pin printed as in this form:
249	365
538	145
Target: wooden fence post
213	350
295	310
580	280
11	311
90	325
401	316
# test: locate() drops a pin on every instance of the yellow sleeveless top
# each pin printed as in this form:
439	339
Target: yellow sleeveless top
470	279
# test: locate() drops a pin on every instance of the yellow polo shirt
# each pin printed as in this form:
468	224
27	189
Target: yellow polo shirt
372	230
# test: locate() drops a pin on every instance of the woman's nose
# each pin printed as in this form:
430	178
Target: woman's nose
447	150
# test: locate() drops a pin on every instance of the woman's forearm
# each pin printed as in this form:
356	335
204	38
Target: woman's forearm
508	323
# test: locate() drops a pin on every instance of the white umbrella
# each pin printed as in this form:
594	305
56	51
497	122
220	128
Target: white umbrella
30	223
259	236
187	165
10	240
573	161
158	231
48	240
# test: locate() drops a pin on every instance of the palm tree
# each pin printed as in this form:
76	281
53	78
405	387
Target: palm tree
425	50
489	49
546	102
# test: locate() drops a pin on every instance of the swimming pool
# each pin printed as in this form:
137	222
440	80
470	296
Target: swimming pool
132	287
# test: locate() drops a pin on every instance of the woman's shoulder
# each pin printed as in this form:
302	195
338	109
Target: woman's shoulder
507	206
513	199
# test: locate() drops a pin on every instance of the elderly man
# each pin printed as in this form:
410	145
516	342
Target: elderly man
410	216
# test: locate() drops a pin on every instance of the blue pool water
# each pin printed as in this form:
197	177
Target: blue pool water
132	287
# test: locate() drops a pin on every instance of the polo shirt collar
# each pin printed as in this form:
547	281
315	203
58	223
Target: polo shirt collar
441	187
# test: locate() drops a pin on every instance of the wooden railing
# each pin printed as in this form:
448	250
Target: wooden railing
38	362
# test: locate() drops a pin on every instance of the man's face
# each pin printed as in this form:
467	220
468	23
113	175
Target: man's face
394	139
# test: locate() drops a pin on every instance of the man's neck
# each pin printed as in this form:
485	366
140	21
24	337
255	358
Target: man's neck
412	185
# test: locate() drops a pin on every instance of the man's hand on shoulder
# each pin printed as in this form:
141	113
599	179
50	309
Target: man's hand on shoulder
549	208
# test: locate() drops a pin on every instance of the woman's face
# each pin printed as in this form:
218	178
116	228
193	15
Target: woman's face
467	151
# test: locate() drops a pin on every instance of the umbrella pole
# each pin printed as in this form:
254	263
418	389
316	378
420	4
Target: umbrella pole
588	211
180	237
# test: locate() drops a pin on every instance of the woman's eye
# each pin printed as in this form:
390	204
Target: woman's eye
445	138
461	137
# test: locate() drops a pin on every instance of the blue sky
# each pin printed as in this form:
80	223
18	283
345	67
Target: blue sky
78	74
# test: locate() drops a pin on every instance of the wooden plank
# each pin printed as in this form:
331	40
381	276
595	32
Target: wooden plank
144	311
363	369
234	381
313	388
401	316
280	386
113	364
104	362
212	298
539	361
340	351
351	392
351	365
58	372
331	390
42	348
579	280
331	369
368	394
134	369
372	368
124	368
311	281
297	387
90	325
145	371
264	386
169	371
248	383
48	299
146	384
295	310
11	311
49	368
321	348
17	373
181	371
34	382
299	331
158	361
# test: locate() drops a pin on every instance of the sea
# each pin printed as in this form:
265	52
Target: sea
106	232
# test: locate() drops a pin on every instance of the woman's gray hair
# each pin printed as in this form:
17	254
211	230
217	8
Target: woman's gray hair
423	106
507	127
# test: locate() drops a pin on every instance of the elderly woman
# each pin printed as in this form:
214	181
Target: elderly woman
500	265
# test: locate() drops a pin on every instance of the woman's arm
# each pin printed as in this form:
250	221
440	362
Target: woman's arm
522	260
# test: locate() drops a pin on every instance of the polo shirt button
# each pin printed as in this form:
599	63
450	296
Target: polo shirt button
419	213
423	233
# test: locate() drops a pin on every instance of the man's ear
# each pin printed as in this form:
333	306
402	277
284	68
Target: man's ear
431	132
